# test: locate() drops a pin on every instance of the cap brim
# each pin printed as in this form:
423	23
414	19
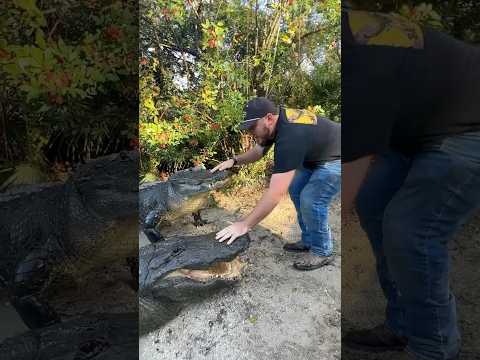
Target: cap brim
247	125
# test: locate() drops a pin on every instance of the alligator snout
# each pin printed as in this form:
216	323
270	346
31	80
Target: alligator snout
170	278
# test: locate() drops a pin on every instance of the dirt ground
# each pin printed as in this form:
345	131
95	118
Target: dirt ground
274	312
363	303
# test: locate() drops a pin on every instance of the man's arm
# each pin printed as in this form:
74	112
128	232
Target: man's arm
278	187
353	175
252	155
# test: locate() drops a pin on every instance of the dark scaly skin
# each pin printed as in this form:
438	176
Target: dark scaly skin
45	225
103	336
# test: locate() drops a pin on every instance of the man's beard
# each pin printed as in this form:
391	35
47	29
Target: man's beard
266	141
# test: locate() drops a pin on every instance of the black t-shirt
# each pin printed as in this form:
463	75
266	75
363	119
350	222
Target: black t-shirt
302	138
404	87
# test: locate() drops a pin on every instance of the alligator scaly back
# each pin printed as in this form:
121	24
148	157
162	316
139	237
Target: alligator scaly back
50	228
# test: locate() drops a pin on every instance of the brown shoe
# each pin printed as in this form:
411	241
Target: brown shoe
295	247
312	262
378	339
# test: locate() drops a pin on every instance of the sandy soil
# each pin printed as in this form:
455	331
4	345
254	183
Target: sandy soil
274	312
363	303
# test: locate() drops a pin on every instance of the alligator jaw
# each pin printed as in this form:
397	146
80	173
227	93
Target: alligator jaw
223	270
197	253
190	181
183	270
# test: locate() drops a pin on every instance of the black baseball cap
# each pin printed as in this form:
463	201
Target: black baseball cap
255	109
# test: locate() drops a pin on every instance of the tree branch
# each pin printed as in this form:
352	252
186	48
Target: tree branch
179	49
311	33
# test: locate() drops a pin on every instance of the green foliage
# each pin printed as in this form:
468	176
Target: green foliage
254	175
201	61
326	89
67	72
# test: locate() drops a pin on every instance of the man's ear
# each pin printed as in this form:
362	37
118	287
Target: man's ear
270	118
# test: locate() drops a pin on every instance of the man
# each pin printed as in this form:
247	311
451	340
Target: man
411	164
307	164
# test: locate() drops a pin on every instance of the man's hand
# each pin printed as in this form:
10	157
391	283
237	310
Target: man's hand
232	232
223	166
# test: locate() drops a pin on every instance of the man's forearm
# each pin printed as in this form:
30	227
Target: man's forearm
353	176
252	155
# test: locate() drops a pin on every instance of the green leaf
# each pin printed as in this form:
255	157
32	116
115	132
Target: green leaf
28	5
12	69
44	108
40	39
24	62
41	18
61	45
112	77
37	55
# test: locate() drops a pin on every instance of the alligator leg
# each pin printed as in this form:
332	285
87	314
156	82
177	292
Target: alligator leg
197	219
153	235
149	227
30	277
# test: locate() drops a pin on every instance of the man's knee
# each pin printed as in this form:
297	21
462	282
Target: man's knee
311	208
368	207
398	231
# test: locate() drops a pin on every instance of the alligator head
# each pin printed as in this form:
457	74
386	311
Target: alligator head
184	193
197	180
190	190
180	270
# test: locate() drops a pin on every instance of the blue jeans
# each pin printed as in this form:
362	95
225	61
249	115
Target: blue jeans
410	207
312	192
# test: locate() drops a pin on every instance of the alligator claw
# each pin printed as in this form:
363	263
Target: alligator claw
197	219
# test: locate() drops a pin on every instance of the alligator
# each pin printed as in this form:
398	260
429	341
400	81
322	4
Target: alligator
182	270
44	227
185	192
103	336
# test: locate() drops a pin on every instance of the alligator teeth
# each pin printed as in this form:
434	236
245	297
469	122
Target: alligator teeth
221	270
